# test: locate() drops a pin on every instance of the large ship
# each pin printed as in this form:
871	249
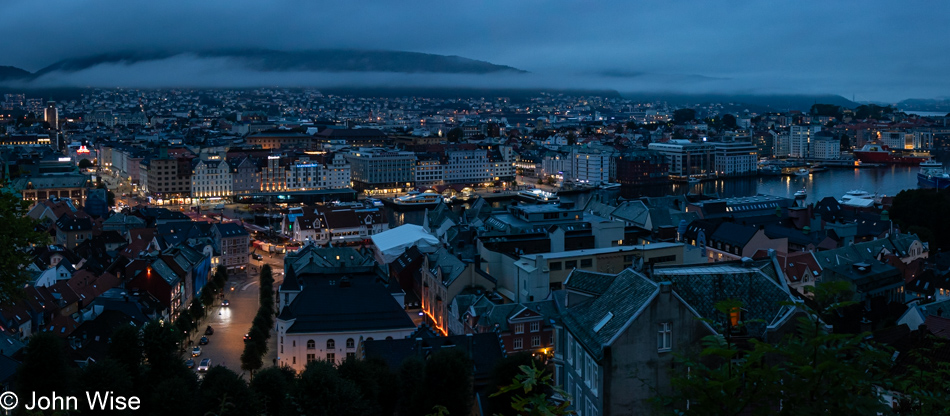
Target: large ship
879	153
538	196
417	200
932	175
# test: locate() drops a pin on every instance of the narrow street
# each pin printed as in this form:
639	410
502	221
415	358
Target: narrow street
232	322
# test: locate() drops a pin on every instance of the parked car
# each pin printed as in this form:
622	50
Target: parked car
205	365
257	256
190	363
203	341
196	351
209	330
225	302
247	337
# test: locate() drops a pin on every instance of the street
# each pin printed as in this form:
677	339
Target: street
232	322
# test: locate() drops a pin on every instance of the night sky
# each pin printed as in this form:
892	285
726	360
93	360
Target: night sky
874	50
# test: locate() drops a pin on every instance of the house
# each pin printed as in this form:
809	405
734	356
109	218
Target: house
520	326
233	241
71	230
331	300
618	335
443	277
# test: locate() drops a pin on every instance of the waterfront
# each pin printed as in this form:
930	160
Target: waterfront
885	181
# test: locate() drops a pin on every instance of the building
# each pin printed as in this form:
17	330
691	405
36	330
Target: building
72	230
233	241
167	177
211	179
444	276
38	189
324	225
687	159
245	175
354	137
800	140
380	170
735	158
825	146
51	115
590	166
641	169
279	140
619	333
330	302
318	171
521	327
428	170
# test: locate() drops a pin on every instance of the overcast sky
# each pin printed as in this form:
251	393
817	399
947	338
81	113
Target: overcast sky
875	50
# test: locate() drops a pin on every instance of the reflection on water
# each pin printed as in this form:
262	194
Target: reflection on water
888	181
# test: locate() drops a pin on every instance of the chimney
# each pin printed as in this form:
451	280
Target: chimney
666	287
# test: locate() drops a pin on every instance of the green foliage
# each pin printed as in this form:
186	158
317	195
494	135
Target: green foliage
684	115
825	110
502	375
808	372
160	341
271	386
222	389
872	111
125	347
320	391
925	386
17	236
251	357
372	376
45	367
531	393
106	375
411	387
454	135
448	380
916	207
196	310
728	122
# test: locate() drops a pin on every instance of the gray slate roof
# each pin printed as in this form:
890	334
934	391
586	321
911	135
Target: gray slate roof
625	296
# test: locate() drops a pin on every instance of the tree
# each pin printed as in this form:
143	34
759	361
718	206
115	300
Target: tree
220	276
320	391
160	341
808	372
531	393
684	115
85	163
915	208
45	368
17	236
252	357
224	389
271	386
448	380
373	377
411	387
825	110
504	374
106	375
729	121
125	347
196	310
454	135
172	396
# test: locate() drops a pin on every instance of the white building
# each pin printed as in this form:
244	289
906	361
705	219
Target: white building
381	170
211	178
428	171
554	164
735	158
325	313
590	166
686	158
314	172
826	147
800	138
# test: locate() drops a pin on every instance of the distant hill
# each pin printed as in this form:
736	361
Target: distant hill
331	60
919	104
757	103
13	73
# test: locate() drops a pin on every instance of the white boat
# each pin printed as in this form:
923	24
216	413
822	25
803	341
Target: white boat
860	198
802	172
374	202
801	194
694	180
538	196
609	185
417	200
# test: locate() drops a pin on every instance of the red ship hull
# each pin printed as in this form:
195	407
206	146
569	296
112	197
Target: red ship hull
881	154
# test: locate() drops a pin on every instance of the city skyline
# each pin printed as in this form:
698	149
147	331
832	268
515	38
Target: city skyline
882	52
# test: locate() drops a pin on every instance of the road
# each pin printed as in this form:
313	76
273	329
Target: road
232	322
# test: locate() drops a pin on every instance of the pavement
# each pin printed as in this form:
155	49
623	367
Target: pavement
232	322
